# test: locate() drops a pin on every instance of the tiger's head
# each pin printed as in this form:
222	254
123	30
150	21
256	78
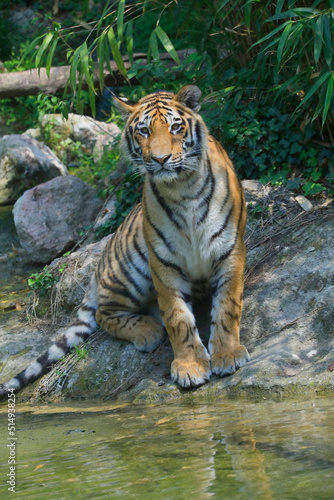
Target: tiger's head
163	135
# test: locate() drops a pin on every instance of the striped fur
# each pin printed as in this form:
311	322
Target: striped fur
186	235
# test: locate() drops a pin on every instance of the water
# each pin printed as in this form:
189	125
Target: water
227	450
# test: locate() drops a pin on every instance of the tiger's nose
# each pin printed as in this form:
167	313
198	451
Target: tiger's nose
161	159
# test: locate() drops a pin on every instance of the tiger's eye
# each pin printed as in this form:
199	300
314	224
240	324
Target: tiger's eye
175	126
145	130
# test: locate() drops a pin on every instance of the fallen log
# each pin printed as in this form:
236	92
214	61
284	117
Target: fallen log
24	83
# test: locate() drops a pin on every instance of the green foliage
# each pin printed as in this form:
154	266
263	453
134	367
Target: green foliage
268	67
127	196
113	32
256	211
44	281
81	352
264	142
279	48
46	104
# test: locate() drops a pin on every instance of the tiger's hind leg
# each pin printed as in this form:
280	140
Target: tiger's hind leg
227	354
144	331
125	287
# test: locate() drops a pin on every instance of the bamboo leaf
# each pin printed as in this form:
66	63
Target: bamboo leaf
79	105
120	18
50	56
272	33
315	87
318	28
116	52
100	55
145	5
294	39
73	69
282	15
222	5
268	46
42	49
129	41
103	15
247	9
84	57
30	47
328	98
279	6
282	41
328	50
305	10
154	46
318	110
281	88
164	39
107	55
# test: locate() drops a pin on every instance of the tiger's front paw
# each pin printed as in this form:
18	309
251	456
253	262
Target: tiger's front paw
190	373
149	339
227	362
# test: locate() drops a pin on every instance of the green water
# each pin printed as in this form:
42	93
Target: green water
226	450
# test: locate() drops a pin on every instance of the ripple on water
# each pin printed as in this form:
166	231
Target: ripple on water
227	450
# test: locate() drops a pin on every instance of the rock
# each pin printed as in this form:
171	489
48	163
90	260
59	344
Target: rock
34	133
25	21
80	265
304	203
24	163
49	217
106	214
254	189
287	322
97	137
287	332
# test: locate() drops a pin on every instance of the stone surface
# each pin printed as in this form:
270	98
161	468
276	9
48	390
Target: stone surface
304	203
97	137
80	265
287	322
107	213
49	217
24	163
34	133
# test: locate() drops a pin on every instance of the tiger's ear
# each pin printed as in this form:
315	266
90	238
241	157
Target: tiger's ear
189	96
125	106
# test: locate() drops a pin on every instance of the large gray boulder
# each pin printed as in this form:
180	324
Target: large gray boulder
49	217
287	322
96	137
24	163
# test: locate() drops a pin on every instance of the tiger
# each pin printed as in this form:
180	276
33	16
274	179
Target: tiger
188	231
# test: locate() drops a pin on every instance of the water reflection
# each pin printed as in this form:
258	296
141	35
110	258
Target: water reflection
223	450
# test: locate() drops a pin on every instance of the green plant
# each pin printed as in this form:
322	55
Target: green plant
264	142
257	210
266	66
113	32
127	196
46	104
44	281
255	47
81	352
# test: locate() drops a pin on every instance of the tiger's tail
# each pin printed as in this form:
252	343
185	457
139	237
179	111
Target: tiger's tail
79	331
